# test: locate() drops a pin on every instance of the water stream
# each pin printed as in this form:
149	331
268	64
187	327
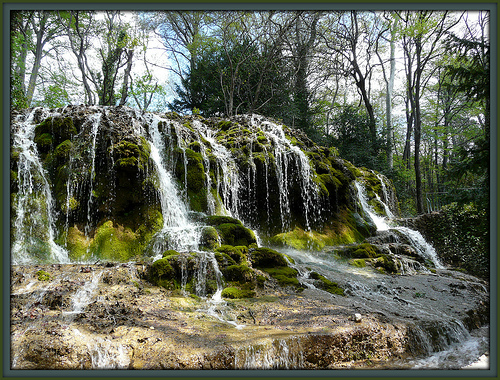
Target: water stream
34	222
382	223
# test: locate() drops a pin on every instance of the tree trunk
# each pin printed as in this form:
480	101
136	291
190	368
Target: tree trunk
388	98
128	69
38	57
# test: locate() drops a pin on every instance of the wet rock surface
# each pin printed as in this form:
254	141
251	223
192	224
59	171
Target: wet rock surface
109	316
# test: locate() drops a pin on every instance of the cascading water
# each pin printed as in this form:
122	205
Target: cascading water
423	248
228	180
34	222
177	230
95	120
272	354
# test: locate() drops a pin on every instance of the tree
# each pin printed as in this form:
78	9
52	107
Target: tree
31	32
301	43
392	27
422	33
350	35
79	29
470	73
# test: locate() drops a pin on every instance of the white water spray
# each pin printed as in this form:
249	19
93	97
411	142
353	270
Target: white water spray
418	242
34	223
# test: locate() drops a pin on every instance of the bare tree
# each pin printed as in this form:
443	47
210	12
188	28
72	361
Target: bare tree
422	34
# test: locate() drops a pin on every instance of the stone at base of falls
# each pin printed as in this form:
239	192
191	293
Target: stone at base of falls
230	231
245	271
345	228
282	328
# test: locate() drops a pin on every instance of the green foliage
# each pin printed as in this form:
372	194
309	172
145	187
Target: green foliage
352	138
258	82
461	235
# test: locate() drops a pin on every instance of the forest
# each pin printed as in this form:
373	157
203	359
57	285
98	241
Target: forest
405	93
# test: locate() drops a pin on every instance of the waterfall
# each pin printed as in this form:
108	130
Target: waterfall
177	229
215	306
271	354
95	120
85	294
228	180
285	153
416	239
34	223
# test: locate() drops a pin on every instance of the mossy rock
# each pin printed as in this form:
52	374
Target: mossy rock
224	260
115	243
44	142
63	150
236	234
358	263
233	292
267	258
170	253
360	251
285	276
131	156
61	128
162	274
209	238
239	273
77	244
238	254
215	220
300	239
325	284
386	263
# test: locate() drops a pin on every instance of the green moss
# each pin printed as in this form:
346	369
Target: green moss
387	263
327	285
60	128
170	253
43	276
285	276
14	155
224	260
238	254
359	263
267	258
236	293
162	274
63	150
353	169
215	220
131	155
78	245
44	141
115	243
360	251
224	125
209	238
239	273
235	234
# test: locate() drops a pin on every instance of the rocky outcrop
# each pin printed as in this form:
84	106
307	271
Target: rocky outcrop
110	316
108	170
